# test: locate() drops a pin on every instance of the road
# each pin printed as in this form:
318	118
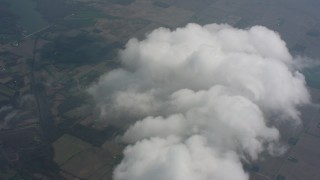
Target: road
36	32
46	121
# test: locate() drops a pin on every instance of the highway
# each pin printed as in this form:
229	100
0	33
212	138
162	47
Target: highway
46	121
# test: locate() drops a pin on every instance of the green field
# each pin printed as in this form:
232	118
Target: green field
6	91
161	4
78	113
80	49
88	78
66	147
3	98
85	18
122	2
70	103
78	23
90	14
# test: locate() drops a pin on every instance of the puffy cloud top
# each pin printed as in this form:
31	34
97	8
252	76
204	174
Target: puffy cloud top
198	100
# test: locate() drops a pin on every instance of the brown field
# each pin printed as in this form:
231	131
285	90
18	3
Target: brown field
119	29
78	158
307	152
269	166
89	162
311	115
144	9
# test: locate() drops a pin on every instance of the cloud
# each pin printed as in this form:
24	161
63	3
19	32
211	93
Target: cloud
198	100
173	159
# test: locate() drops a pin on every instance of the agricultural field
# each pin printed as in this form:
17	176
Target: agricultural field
88	163
67	147
4	90
80	159
305	164
52	66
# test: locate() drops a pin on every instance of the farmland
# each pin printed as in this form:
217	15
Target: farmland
51	127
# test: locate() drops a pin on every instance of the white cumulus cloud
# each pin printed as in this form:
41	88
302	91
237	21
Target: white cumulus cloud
198	100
